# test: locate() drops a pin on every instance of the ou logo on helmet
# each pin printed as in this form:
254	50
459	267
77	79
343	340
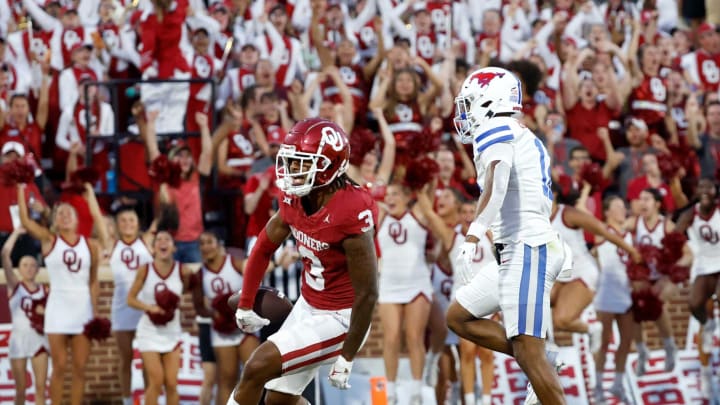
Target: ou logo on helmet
332	138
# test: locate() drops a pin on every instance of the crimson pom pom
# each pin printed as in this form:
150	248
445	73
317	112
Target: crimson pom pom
79	177
424	142
362	141
593	175
565	184
224	320
646	306
37	314
669	166
16	172
421	172
163	170
650	254
638	272
673	244
169	302
98	329
686	157
677	273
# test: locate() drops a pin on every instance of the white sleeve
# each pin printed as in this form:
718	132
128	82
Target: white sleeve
224	90
56	54
88	12
68	89
367	13
501	178
44	20
63	135
107	122
5	17
492	149
302	14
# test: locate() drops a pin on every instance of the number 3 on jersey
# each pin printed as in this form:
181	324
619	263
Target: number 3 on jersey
545	169
313	277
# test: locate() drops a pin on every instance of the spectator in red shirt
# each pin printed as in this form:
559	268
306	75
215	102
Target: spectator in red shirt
9	217
584	110
651	179
186	196
260	197
20	126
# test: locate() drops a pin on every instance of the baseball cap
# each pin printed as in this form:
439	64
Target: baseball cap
219	6
705	28
276	136
78	45
577	42
68	9
13	146
178	147
637	123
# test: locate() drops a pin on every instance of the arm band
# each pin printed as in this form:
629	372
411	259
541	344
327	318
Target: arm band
255	269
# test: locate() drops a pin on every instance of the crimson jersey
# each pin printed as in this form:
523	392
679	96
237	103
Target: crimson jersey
241	152
439	15
405	123
160	39
351	211
69	38
648	100
367	39
30	136
353	77
426	45
703	68
37	43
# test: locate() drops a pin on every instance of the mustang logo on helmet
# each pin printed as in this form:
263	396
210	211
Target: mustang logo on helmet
484	78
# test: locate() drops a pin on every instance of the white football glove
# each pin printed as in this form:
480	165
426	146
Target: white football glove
248	321
340	373
467	254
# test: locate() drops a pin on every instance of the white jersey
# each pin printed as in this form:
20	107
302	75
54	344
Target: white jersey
613	294
69	265
575	238
226	279
159	338
25	341
404	271
525	212
125	259
650	236
703	238
69	306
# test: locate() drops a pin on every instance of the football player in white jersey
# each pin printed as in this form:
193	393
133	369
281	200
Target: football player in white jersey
514	168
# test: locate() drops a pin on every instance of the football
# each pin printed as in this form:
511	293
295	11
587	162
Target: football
269	303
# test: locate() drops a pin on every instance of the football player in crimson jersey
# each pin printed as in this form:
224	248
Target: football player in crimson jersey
333	222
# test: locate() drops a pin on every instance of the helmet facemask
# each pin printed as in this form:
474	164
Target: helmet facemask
307	167
469	116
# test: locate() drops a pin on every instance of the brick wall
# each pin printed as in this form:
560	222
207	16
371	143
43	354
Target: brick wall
102	386
679	313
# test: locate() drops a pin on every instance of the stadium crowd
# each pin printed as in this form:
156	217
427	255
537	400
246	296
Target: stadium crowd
624	95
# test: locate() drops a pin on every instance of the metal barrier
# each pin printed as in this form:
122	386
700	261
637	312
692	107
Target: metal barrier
123	103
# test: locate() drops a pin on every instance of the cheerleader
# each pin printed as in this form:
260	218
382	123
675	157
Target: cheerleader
405	290
613	297
702	224
649	228
26	300
156	291
448	212
578	289
220	276
71	260
128	253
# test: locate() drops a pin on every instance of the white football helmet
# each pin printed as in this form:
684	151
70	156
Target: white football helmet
485	93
